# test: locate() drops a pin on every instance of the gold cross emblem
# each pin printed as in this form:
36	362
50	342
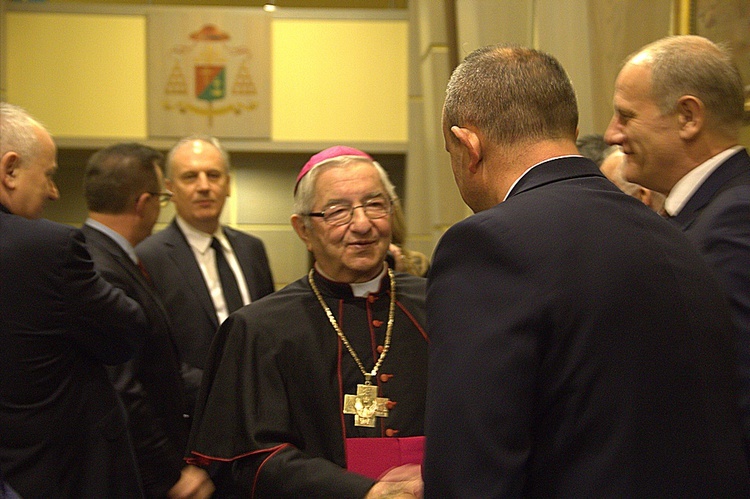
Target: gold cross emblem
366	405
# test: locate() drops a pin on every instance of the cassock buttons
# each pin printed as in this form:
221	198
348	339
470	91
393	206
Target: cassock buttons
390	404
390	432
385	377
377	323
380	349
371	298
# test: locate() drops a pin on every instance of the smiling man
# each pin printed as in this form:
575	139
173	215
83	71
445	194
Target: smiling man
583	342
679	107
202	270
323	378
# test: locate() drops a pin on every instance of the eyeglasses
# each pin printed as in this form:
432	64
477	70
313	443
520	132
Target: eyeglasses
164	197
341	214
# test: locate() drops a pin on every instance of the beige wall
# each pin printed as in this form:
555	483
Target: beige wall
341	80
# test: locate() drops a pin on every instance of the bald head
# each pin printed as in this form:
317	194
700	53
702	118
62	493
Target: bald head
693	65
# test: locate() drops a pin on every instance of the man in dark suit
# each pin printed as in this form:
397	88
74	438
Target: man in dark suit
580	346
123	188
184	264
62	426
678	111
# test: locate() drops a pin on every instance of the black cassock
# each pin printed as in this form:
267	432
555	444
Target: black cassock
272	396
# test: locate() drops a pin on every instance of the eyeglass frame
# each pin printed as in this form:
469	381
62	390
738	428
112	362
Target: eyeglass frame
347	220
164	197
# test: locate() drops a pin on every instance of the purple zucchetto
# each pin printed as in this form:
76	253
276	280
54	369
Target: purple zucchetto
325	155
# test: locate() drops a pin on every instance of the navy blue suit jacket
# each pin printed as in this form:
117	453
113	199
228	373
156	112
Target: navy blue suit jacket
717	220
580	347
62	426
150	384
179	282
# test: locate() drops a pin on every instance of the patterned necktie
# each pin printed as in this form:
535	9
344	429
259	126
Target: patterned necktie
232	296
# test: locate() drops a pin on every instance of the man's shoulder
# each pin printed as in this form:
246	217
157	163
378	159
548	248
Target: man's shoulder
239	235
37	231
169	236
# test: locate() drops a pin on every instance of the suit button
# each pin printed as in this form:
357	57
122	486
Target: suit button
385	377
390	432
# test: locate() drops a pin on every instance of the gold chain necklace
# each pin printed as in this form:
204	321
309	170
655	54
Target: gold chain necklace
366	404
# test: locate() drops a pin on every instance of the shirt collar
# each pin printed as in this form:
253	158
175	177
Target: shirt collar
358	289
684	189
115	236
362	289
200	240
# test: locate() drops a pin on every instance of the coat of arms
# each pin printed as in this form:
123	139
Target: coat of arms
211	78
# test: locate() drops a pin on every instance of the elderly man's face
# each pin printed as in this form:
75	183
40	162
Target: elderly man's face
648	138
353	252
200	183
34	184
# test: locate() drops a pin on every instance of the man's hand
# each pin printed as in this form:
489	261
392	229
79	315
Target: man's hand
402	482
194	483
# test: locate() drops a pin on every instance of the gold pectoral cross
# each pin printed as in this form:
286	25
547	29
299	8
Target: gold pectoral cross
366	405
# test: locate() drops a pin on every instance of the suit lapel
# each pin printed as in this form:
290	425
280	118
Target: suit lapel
107	244
181	253
735	165
242	253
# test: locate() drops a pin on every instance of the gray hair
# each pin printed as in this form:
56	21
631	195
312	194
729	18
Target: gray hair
304	198
693	65
18	132
512	94
203	138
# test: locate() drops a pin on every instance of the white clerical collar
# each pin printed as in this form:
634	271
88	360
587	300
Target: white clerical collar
534	166
684	189
361	289
200	240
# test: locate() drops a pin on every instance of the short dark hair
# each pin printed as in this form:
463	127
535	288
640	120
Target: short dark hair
512	94
117	175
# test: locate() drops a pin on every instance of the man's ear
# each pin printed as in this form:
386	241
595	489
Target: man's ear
692	114
470	140
140	203
9	164
302	230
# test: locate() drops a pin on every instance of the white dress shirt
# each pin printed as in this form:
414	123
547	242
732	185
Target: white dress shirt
200	243
684	189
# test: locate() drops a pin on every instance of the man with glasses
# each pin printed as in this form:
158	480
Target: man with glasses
311	391
123	189
202	270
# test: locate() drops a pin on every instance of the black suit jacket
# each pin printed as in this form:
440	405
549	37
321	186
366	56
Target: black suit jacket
150	384
580	347
717	220
62	426
178	280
